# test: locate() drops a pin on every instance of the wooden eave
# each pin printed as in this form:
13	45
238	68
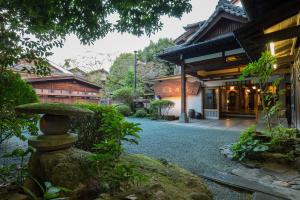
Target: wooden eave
269	26
214	22
61	78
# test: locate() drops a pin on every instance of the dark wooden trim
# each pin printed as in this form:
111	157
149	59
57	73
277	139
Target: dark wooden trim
217	66
287	33
215	21
183	85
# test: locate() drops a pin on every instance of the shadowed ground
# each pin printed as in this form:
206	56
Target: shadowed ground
193	147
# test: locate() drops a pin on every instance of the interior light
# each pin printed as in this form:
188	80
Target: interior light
231	87
275	66
232	59
254	87
258	90
248	90
272	48
227	101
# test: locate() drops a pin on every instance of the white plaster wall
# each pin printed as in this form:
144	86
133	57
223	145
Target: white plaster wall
193	102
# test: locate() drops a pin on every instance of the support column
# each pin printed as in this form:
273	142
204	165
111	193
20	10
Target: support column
183	116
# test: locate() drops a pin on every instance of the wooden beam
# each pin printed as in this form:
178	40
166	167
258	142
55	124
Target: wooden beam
285	59
204	57
287	33
216	66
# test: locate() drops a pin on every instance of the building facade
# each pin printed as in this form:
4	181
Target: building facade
168	88
216	50
65	89
62	86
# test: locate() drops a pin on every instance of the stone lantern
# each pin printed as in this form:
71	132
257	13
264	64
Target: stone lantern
55	124
55	159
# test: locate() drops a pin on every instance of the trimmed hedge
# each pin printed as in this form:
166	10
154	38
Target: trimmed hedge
141	113
123	109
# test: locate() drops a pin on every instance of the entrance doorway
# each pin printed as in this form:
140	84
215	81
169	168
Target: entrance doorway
239	101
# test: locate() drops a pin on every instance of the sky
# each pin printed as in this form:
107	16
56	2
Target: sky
108	48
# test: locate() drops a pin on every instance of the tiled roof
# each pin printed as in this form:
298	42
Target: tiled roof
60	77
199	24
223	5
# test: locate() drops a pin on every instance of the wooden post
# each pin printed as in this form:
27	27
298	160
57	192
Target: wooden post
183	116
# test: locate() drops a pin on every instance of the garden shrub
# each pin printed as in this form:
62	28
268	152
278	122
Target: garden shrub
248	144
107	123
126	95
282	138
141	113
103	134
123	109
160	108
13	92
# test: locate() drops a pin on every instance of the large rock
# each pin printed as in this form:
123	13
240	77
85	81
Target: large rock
65	168
165	181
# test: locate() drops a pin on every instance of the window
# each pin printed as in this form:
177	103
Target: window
211	99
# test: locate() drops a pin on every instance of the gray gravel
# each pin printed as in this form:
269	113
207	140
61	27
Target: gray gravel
192	148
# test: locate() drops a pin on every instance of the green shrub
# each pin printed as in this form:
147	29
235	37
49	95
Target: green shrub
106	124
123	109
160	108
126	95
141	113
248	145
282	138
13	92
104	134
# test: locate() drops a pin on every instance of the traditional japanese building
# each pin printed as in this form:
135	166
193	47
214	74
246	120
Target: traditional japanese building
62	86
216	50
65	89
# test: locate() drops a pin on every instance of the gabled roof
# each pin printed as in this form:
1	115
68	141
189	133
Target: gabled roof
190	29
222	6
55	69
61	78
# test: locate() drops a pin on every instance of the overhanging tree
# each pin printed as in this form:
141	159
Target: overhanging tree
29	29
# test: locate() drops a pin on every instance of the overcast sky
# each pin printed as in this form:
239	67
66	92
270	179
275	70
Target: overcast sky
115	43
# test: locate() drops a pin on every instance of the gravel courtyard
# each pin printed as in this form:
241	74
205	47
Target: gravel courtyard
193	148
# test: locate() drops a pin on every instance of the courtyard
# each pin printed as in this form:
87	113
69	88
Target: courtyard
191	146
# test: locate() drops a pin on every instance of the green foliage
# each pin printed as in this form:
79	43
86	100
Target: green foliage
141	113
126	95
19	170
103	134
281	136
278	140
106	124
14	91
30	29
160	108
123	109
149	53
113	174
261	72
248	145
49	192
121	66
149	66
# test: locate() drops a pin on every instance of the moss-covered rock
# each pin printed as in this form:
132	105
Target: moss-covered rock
65	168
165	182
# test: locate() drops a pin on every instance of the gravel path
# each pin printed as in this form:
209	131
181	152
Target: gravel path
193	148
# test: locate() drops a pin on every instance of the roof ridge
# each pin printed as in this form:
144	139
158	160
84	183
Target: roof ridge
223	5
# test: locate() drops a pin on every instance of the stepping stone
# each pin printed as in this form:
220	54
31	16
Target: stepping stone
242	183
263	196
